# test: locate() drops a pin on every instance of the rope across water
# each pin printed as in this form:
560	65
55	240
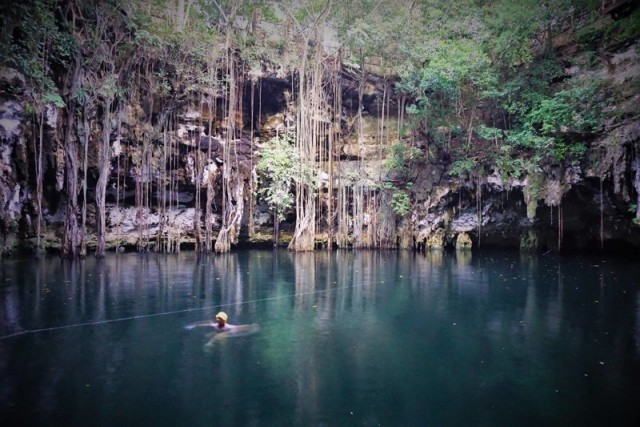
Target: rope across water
166	313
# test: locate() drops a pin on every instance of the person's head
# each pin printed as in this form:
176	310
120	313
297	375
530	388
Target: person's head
221	318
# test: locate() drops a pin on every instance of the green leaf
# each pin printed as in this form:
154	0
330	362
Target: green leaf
53	98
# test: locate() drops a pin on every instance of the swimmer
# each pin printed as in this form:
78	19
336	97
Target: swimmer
224	329
220	324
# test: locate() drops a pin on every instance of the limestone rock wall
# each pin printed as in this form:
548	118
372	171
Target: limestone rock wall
153	187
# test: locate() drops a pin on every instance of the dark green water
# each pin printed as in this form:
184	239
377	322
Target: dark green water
349	338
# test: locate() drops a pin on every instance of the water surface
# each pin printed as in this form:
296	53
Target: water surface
346	338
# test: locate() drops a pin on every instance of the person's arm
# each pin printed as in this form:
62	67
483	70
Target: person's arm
202	325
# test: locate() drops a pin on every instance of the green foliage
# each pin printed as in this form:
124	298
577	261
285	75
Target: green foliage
278	160
31	41
514	26
401	203
525	88
279	169
575	110
590	35
402	159
512	164
489	133
547	125
383	34
626	28
54	99
521	29
453	66
464	166
269	15
449	72
552	128
400	199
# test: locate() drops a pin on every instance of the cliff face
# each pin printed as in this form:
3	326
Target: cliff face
590	205
156	190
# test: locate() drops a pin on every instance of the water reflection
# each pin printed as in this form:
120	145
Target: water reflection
345	338
463	258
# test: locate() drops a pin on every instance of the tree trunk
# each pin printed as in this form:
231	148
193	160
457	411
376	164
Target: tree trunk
104	162
276	230
85	139
71	239
39	175
228	233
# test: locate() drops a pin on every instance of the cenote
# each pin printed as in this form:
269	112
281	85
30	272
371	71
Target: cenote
346	338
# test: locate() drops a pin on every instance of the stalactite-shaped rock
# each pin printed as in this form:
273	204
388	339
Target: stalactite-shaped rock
463	242
435	241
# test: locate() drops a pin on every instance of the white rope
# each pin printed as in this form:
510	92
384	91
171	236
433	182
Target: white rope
164	313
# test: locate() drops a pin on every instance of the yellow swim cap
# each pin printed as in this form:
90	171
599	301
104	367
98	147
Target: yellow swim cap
222	315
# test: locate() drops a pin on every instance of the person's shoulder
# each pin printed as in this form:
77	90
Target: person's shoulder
226	327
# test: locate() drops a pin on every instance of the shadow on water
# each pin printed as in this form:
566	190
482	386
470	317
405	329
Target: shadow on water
345	337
